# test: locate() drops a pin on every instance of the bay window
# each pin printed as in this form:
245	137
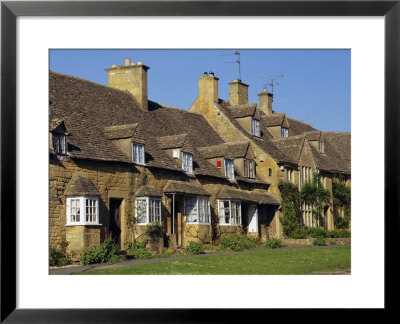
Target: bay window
197	210
82	211
148	210
230	212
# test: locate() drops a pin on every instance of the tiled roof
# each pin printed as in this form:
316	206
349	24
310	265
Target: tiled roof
190	188
120	131
148	191
247	196
243	110
81	185
97	115
225	150
291	147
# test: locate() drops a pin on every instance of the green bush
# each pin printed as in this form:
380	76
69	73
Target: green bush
194	248
107	251
236	242
273	244
316	232
320	241
155	230
58	255
299	233
138	250
344	233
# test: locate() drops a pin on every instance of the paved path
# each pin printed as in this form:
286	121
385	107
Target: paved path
69	270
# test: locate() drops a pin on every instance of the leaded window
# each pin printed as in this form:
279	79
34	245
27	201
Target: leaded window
148	210
230	212
138	153
187	162
284	132
83	211
255	127
59	143
229	169
197	210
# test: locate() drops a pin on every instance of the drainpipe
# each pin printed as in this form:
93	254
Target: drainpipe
173	213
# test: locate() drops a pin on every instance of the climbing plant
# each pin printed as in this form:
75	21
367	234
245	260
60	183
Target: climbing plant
291	213
341	201
314	193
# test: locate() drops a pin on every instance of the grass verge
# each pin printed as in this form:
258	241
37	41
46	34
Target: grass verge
288	261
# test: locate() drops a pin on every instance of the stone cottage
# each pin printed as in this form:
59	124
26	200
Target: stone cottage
119	161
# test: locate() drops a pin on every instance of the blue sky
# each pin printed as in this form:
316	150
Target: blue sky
315	87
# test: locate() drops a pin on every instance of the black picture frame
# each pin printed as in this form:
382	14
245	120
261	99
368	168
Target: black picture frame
10	10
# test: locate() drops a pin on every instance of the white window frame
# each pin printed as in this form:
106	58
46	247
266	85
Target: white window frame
202	204
235	219
187	162
151	207
255	127
63	146
82	208
229	169
284	132
138	153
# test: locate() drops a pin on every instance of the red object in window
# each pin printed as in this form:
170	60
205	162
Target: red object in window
219	164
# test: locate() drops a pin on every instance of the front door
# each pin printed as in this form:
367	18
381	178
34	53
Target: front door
115	220
252	219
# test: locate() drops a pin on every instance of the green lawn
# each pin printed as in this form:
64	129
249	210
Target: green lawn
285	261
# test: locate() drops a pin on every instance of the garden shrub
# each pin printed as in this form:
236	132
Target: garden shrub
107	251
236	242
273	244
58	255
138	250
319	241
299	233
194	248
155	230
316	232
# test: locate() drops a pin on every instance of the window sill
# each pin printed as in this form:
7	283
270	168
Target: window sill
230	224
197	223
80	224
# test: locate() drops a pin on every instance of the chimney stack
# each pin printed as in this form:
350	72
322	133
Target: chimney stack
208	88
238	93
131	77
266	102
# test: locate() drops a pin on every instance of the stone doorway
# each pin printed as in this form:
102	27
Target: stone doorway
115	220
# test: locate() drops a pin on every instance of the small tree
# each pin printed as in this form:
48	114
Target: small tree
291	218
314	193
341	200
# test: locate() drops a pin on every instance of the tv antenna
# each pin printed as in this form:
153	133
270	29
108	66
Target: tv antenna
237	61
271	81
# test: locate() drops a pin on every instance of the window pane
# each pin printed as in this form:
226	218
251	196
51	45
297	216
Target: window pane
191	209
141	210
227	212
75	210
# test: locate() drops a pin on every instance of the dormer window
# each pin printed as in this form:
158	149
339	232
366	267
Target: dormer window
321	147
138	153
187	162
59	143
284	132
255	127
249	169
229	169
